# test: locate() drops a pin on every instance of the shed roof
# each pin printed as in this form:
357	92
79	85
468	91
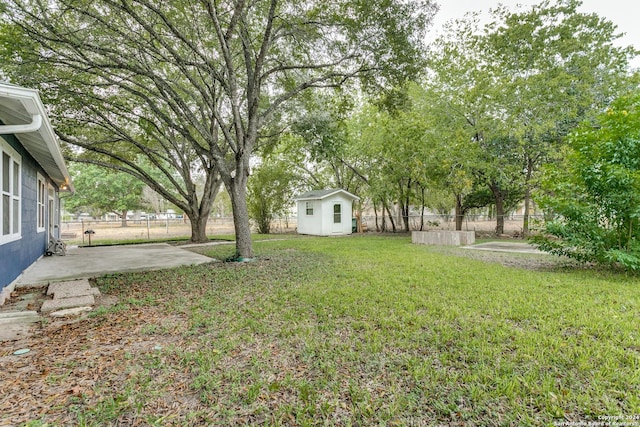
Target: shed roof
22	107
323	194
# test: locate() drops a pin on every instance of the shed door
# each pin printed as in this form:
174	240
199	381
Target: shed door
337	217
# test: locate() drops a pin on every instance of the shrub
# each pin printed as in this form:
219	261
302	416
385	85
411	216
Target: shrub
595	197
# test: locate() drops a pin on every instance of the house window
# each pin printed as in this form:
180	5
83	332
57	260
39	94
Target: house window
309	208
41	204
337	213
10	185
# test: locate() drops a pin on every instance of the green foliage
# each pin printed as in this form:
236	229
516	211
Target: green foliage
595	196
270	193
504	96
318	148
401	150
102	190
195	86
439	201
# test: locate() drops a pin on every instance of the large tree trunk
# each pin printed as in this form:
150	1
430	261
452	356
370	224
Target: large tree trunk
375	212
527	202
498	196
198	213
244	249
405	215
499	216
123	218
198	227
198	218
527	198
459	212
237	188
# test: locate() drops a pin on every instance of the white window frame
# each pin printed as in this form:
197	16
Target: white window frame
52	209
308	208
42	205
337	215
15	224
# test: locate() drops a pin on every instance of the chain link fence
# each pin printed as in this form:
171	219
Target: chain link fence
513	224
73	232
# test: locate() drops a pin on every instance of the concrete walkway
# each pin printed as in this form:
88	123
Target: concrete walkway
86	262
506	246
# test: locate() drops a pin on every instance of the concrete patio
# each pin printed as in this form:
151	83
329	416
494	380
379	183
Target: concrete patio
70	296
87	262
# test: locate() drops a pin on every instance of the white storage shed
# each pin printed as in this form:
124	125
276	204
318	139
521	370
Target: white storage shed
325	212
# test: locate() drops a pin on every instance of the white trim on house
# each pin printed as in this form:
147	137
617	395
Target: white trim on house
51	209
41	197
10	194
36	123
323	194
22	109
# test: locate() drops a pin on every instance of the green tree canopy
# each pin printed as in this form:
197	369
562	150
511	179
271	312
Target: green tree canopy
272	187
192	84
104	191
514	88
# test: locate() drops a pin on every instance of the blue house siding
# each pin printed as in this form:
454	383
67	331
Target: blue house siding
32	173
16	256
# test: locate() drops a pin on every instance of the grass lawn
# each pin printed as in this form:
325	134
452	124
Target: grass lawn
340	331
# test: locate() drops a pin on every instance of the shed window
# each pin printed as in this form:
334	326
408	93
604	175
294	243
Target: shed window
309	208
337	213
10	185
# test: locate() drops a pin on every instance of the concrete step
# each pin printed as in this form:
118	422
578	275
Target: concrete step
72	289
60	303
70	312
19	317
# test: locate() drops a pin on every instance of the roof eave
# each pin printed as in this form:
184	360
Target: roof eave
33	105
324	196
